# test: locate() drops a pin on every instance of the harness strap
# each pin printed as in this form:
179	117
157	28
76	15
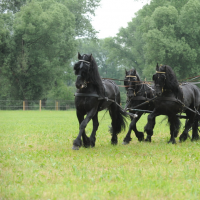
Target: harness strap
124	110
169	99
86	95
144	102
139	98
106	98
113	85
196	111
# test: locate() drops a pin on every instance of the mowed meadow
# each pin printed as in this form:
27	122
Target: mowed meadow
37	162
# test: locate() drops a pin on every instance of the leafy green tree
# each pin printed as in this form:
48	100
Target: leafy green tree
126	49
166	41
163	31
43	41
37	42
60	91
11	5
82	10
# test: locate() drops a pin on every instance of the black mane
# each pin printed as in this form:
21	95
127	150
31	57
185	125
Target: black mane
171	81
95	77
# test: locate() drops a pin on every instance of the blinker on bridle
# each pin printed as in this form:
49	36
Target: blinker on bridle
84	61
157	72
130	88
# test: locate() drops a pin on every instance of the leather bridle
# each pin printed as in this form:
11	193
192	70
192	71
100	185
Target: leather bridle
81	65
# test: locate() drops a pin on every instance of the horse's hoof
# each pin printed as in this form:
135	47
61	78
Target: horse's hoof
75	147
86	146
173	142
141	139
92	145
114	143
195	139
125	143
147	140
182	140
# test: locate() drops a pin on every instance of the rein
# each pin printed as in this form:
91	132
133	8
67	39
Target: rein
142	82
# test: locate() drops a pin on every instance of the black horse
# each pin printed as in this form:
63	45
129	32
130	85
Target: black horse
137	93
93	95
173	98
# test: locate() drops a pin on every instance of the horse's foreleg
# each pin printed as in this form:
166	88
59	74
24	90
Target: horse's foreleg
95	127
90	115
113	115
188	125
86	140
150	126
133	127
195	135
174	128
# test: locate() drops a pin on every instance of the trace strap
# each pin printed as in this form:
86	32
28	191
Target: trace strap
86	95
105	98
144	102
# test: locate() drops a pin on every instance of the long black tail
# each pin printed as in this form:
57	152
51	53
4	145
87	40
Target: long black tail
118	119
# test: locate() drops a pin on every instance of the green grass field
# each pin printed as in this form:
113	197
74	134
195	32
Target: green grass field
36	161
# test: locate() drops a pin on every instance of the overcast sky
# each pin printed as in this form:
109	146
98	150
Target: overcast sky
114	14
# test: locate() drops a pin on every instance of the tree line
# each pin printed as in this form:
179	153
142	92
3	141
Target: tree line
39	41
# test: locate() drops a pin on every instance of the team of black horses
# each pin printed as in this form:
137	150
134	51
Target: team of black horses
165	97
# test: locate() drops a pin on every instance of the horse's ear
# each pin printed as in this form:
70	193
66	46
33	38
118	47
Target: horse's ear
79	56
165	68
90	57
157	67
134	71
126	72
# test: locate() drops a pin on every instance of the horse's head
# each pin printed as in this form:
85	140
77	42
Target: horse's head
159	79
130	82
82	70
